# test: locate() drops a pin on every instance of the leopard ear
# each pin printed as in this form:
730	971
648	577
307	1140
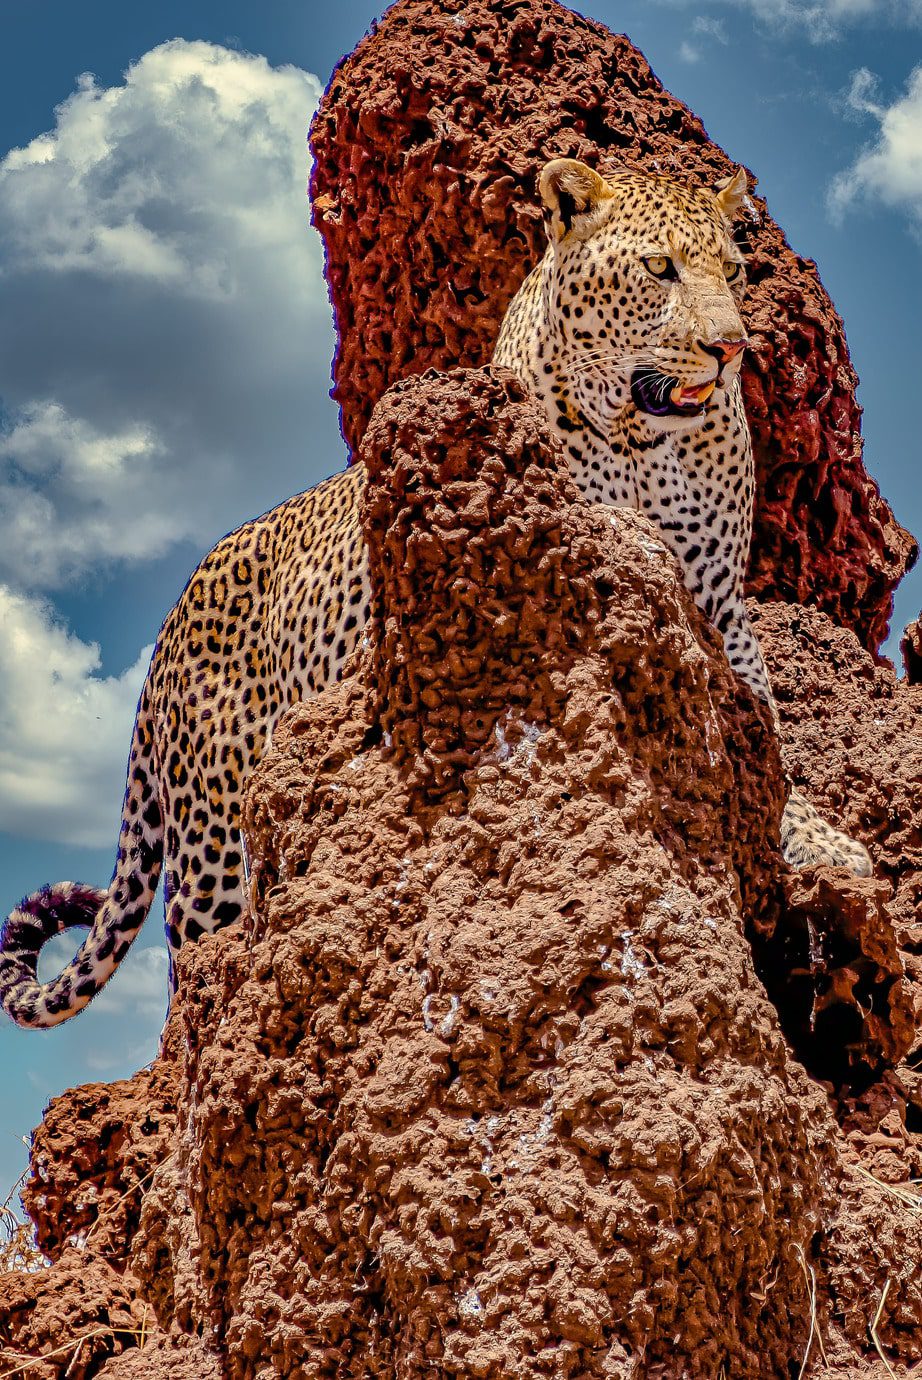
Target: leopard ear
575	197
732	192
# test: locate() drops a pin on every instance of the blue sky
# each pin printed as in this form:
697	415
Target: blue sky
166	340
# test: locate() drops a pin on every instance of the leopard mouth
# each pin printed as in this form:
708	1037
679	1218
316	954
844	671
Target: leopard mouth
661	396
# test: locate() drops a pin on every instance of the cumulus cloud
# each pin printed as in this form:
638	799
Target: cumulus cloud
166	378
890	168
826	19
65	730
171	352
72	496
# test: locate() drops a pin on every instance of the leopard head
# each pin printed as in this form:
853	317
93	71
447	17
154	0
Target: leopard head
644	289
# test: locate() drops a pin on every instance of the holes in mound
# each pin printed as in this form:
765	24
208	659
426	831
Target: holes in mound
832	969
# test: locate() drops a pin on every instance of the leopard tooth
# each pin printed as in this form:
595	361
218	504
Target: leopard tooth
682	396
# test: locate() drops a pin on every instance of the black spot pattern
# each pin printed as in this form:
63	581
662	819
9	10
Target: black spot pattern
692	475
274	611
269	617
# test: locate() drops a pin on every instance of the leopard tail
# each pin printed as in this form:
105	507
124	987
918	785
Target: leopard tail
113	916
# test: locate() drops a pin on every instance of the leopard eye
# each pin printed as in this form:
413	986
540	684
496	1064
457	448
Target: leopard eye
660	267
732	270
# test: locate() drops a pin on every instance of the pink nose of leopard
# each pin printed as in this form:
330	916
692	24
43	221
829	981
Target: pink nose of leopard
724	350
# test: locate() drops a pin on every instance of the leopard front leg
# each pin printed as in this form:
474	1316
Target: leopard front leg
807	840
684	486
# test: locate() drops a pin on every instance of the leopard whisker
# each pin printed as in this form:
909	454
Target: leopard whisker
590	357
626	363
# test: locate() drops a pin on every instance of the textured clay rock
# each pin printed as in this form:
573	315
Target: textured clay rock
92	1158
832	966
853	742
490	1086
75	1315
167	1358
93	1153
427	145
911	649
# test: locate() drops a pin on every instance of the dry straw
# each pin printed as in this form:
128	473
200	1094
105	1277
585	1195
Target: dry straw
75	1344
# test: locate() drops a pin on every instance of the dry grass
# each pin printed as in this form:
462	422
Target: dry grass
811	1290
18	1250
909	1196
873	1331
120	1199
73	1345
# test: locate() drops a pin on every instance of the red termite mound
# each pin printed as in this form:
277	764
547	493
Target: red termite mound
427	145
911	648
853	742
490	1086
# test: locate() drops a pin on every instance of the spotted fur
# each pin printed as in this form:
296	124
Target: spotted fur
275	610
269	617
590	324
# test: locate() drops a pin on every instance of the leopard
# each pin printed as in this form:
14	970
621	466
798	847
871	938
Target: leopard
629	332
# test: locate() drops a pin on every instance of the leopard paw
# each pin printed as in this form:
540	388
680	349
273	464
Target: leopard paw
808	840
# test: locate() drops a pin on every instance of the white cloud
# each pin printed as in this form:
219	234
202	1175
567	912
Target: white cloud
858	99
890	168
827	19
704	27
72	497
128	1013
64	729
142	987
170	357
198	139
164	376
708	27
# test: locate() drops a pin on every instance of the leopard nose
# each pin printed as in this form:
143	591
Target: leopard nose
724	350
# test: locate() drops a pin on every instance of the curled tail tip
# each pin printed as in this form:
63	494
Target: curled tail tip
48	911
38	918
63	896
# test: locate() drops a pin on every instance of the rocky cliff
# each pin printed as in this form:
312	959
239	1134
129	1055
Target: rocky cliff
533	1058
